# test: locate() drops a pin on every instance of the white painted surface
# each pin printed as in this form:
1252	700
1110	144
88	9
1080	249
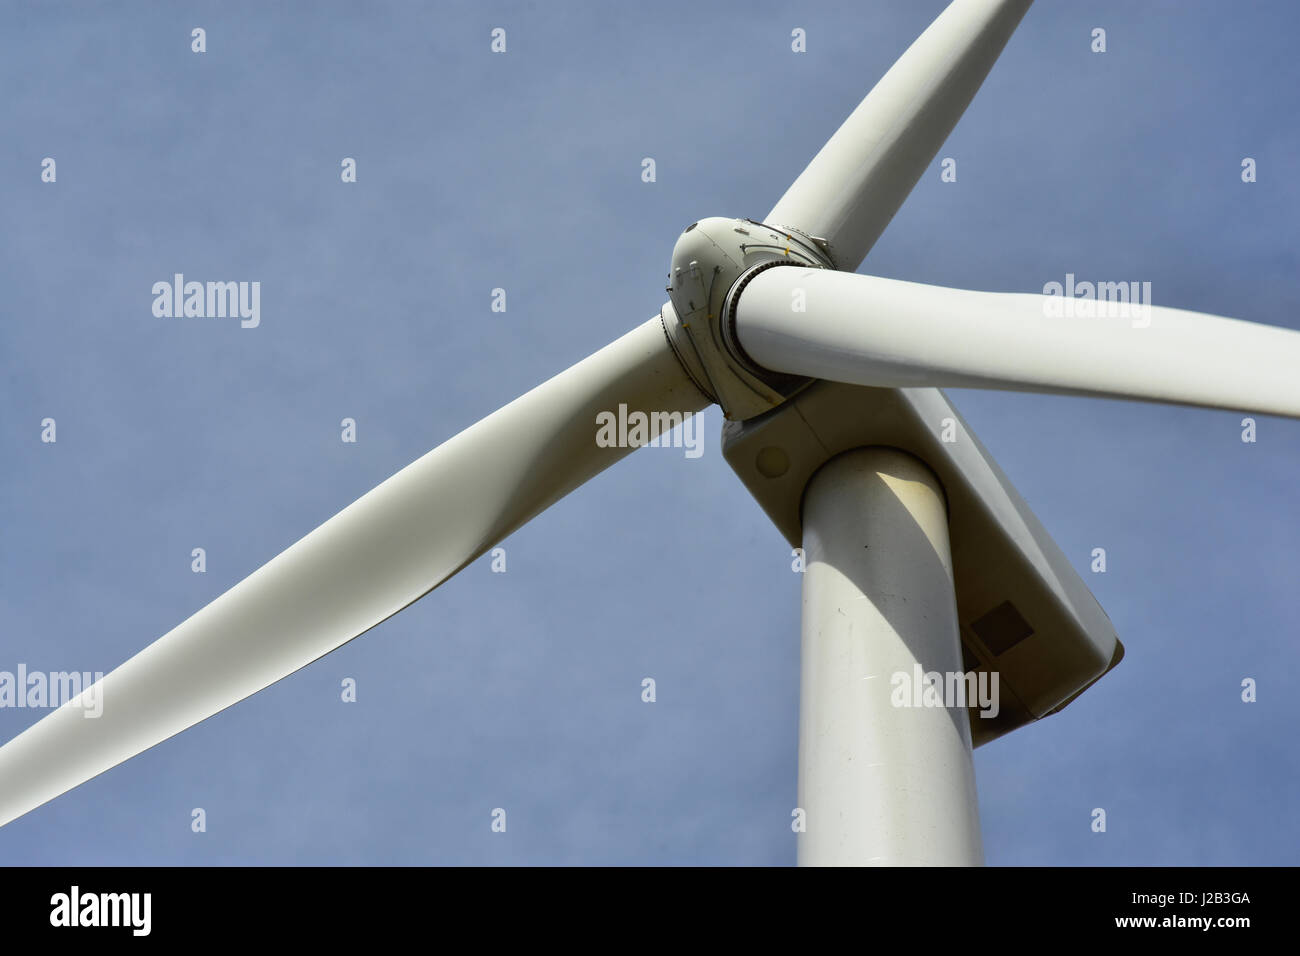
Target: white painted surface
883	332
880	784
854	185
379	554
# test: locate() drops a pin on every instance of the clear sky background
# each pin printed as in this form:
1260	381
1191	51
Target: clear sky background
522	690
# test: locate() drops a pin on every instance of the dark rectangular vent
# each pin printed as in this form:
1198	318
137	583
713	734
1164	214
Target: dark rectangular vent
1002	628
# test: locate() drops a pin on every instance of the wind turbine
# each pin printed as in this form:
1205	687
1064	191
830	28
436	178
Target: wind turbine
732	334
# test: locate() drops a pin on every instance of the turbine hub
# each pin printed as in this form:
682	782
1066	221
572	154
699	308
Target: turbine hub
712	261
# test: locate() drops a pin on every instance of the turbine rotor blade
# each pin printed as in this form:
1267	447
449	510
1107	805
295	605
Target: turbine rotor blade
882	332
381	553
852	188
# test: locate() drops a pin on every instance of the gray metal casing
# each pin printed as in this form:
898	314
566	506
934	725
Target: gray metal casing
1002	555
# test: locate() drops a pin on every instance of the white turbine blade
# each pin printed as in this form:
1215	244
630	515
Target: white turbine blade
853	187
870	331
384	551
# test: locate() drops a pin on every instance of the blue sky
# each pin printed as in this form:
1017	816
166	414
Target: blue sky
522	171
